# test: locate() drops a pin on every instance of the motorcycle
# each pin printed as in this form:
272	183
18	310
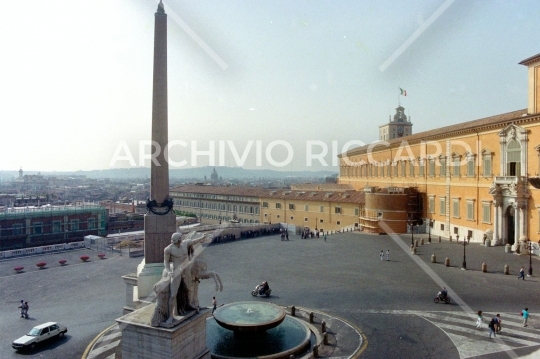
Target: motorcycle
439	298
259	291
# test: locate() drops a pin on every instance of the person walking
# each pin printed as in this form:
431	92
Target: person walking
491	326
214	304
388	255
325	237
382	255
521	273
21	307
25	309
525	315
498	322
479	320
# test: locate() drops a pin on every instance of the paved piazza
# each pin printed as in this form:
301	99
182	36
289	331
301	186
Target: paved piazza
390	302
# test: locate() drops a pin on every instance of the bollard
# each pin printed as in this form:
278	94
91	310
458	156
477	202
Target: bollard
323	326
293	311
433	258
439	239
447	262
325	338
414	250
506	269
415	243
422	241
311	317
450	238
484	267
315	351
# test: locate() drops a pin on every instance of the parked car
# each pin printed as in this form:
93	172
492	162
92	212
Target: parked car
39	334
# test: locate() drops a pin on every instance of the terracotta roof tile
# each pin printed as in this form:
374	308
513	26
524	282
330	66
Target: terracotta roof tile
344	196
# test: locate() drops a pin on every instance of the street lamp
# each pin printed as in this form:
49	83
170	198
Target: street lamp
429	223
530	246
463	243
411	223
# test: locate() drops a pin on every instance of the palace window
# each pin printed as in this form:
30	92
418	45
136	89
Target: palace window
470	210
356	211
403	169
306	207
431	167
487	163
321	209
456	162
411	168
265	205
471	159
431	204
442	161
337	210
486	212
395	170
421	167
513	158
278	205
442	206
455	207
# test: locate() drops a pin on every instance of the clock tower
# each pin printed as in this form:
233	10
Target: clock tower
399	126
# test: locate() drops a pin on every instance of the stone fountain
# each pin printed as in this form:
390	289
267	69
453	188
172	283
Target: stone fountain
255	329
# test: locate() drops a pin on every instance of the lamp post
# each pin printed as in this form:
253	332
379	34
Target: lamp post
463	243
429	222
411	224
530	246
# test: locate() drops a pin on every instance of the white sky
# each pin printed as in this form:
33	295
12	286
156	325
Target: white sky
76	76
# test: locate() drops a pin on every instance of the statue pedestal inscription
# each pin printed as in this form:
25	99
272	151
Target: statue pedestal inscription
187	339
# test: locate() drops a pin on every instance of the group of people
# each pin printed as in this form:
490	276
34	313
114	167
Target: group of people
387	255
284	235
24	309
495	323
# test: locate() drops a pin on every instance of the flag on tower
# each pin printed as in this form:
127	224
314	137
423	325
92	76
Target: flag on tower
403	92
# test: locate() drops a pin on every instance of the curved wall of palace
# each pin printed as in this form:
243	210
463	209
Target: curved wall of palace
385	213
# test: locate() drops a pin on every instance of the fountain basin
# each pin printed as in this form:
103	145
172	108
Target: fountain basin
249	317
291	337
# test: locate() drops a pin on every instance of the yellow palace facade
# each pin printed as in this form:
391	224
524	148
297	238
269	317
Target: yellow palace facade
477	179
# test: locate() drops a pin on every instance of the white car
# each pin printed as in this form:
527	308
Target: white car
39	334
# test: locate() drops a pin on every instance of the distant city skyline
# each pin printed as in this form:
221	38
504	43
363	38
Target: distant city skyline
280	85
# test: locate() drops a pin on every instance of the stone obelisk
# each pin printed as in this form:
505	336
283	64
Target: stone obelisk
159	221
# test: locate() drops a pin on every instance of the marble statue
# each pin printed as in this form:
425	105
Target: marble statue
177	291
197	270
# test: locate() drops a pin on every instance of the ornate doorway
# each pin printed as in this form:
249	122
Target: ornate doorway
510	225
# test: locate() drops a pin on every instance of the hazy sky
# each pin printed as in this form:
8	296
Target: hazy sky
76	76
